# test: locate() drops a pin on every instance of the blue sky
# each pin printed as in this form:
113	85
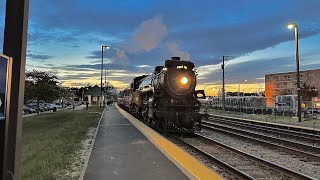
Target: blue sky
66	37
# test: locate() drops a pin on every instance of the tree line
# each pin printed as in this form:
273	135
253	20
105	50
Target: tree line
45	86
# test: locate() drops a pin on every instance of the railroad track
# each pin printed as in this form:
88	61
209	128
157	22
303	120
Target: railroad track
283	127
302	151
308	138
244	165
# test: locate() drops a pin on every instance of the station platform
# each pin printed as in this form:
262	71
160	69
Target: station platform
125	148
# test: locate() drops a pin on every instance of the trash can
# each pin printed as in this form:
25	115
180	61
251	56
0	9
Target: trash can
54	109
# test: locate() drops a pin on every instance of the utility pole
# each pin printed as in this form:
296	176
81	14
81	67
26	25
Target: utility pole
298	73
224	62
105	85
223	88
101	89
101	76
14	46
105	78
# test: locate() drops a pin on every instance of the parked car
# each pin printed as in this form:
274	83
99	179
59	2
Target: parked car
28	110
58	105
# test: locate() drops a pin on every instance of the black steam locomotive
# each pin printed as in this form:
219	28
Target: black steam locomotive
166	99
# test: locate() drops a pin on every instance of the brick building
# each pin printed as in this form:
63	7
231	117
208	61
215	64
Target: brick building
286	83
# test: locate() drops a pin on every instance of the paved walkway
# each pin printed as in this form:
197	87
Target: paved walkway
120	151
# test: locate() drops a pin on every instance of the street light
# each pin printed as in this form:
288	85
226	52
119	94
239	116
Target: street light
101	89
295	27
239	87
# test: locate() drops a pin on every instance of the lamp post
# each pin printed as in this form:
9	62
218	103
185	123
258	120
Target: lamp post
295	27
239	87
105	85
101	88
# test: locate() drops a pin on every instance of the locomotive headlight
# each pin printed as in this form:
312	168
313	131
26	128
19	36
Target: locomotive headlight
184	80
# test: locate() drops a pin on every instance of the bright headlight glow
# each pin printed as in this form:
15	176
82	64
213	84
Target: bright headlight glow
184	80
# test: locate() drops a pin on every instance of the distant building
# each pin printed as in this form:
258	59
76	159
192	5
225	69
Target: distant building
93	95
286	83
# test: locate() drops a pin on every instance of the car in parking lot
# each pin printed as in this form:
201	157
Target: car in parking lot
28	110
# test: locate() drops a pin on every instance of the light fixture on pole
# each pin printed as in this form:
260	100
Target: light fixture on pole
295	27
101	88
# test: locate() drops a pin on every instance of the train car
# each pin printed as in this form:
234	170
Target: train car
247	104
286	104
167	99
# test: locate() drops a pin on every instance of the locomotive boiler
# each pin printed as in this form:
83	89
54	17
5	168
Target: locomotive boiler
166	99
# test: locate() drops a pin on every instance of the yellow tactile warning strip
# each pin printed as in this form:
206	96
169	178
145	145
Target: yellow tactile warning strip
279	124
186	163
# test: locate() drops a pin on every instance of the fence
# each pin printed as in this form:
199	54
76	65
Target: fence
311	118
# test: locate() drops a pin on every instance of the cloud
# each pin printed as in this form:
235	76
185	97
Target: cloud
39	56
148	35
139	38
173	47
112	53
144	66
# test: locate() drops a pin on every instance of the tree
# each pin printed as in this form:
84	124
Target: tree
307	92
41	86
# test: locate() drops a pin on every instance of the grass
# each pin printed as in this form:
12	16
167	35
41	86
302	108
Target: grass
50	142
284	119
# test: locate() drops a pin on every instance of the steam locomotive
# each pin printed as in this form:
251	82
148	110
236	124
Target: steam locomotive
166	99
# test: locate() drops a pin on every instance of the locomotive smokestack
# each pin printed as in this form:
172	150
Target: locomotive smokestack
176	58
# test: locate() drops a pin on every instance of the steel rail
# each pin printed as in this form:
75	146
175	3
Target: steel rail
220	163
264	162
271	124
294	147
280	132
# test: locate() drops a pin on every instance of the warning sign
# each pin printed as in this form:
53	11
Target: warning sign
4	67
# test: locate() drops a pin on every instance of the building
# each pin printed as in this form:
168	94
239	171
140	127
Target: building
93	95
286	83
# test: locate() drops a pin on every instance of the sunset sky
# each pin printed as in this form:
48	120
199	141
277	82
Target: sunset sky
65	37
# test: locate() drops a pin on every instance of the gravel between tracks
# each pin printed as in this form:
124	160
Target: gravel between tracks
216	168
309	168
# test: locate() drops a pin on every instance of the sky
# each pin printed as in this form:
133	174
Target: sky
65	37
